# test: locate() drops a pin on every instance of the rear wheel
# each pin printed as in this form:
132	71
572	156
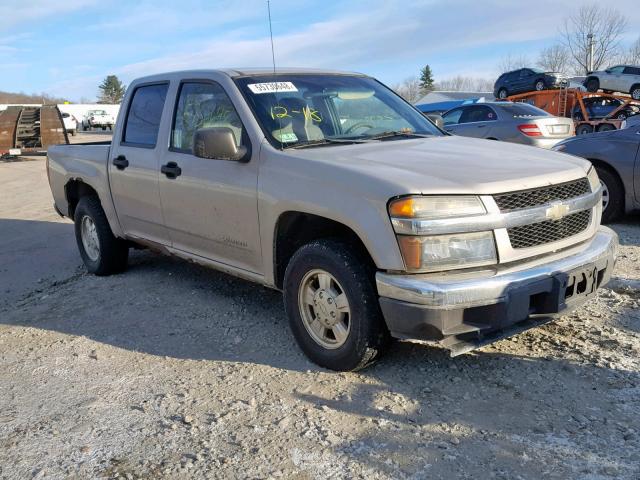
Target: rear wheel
584	129
606	127
612	195
502	93
332	306
101	251
635	92
593	84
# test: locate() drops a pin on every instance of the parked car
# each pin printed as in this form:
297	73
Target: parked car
601	107
98	119
509	122
70	123
526	80
616	157
330	187
631	122
621	78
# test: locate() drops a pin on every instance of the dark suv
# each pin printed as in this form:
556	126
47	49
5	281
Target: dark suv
526	80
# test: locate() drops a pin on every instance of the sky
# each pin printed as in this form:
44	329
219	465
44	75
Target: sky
66	47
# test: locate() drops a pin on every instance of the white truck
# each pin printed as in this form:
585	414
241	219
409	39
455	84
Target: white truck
621	78
98	119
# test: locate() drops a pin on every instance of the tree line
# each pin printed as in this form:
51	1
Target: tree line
568	55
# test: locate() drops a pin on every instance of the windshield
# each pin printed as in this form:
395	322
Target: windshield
536	70
316	109
523	110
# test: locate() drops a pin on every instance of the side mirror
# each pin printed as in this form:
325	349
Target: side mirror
437	119
218	143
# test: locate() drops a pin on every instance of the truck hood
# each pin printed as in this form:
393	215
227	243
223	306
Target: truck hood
445	165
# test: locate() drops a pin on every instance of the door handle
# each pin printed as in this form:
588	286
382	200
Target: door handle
171	170
121	162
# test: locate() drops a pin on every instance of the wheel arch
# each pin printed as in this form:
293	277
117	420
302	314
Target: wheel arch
294	229
598	163
74	190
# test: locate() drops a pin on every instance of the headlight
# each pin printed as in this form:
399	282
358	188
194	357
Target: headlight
594	180
446	252
559	147
432	207
411	217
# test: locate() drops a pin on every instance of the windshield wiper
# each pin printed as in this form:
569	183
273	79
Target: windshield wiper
398	133
324	141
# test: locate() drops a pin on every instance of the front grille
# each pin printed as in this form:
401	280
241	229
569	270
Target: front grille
540	196
549	231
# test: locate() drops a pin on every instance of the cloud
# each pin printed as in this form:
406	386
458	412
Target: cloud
460	36
16	12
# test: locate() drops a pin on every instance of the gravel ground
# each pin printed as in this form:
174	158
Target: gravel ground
174	371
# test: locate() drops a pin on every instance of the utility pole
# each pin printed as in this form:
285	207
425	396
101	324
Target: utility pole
590	53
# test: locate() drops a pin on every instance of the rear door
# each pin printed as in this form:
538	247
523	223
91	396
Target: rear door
134	165
210	208
525	80
476	121
630	76
614	80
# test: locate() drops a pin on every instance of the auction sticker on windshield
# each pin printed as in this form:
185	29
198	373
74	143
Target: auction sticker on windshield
272	87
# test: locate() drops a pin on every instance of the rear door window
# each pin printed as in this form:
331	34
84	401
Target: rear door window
632	70
478	113
143	118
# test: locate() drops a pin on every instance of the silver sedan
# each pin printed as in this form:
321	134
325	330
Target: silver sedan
509	122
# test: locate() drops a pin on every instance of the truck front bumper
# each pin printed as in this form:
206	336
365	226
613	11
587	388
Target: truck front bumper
464	310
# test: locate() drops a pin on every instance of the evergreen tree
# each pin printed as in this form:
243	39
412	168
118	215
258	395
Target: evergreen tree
426	79
111	90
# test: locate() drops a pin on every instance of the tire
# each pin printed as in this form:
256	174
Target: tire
92	230
539	85
635	92
366	336
72	133
592	85
613	195
622	116
584	129
605	127
502	93
104	128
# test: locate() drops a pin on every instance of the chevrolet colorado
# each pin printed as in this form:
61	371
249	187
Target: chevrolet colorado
328	186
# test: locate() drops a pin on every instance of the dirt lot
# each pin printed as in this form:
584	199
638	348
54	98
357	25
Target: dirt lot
174	371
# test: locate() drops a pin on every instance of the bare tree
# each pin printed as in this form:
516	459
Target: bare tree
409	89
606	25
513	62
461	83
633	55
554	59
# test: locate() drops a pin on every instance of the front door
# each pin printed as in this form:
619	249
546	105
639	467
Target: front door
134	165
210	206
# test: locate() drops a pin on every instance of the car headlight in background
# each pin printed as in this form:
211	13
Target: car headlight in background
594	180
421	252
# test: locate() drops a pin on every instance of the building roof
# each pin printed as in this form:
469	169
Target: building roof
447	96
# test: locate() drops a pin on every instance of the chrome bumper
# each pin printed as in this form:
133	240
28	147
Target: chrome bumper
463	290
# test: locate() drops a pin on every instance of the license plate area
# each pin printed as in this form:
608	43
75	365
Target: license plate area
583	282
559	129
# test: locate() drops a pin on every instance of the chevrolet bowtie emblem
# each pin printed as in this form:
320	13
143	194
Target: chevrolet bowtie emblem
557	211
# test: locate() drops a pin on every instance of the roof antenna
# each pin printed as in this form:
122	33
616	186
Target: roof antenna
273	54
275	78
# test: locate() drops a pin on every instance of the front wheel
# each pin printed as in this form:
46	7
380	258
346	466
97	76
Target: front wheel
612	195
101	251
539	85
332	306
592	85
635	92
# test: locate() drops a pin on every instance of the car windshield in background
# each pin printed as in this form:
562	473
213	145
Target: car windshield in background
313	110
519	110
